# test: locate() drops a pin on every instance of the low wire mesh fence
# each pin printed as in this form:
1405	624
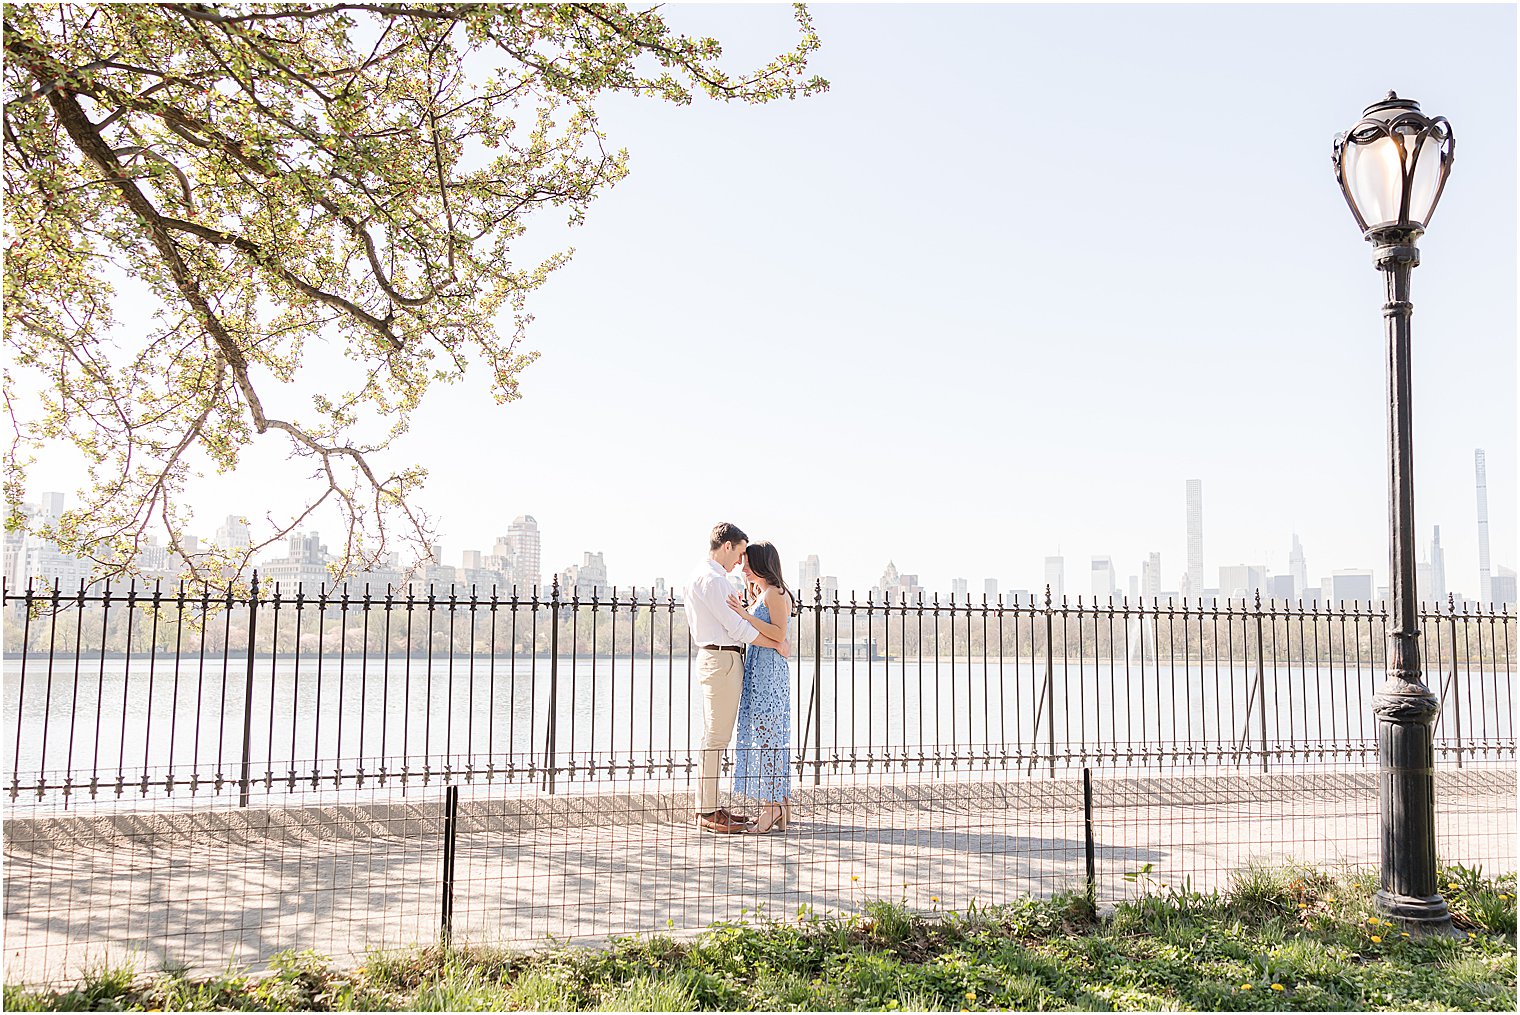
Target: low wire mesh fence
195	778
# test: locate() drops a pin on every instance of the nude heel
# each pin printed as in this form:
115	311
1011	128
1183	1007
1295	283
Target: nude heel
762	827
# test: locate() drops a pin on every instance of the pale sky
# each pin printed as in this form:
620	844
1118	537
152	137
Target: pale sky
1019	275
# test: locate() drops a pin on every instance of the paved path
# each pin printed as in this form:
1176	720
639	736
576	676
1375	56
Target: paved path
201	888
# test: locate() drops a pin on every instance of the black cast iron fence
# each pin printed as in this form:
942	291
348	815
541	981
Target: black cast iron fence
164	693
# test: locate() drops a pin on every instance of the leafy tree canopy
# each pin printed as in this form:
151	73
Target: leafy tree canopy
267	175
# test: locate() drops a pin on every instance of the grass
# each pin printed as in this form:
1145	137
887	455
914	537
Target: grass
1276	939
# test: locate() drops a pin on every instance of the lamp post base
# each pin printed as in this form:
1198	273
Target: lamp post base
1406	711
1427	917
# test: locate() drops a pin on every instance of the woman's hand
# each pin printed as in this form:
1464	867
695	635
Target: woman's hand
736	604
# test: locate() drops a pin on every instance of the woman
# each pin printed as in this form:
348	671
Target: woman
763	768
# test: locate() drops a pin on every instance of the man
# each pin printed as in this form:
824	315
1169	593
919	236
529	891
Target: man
720	635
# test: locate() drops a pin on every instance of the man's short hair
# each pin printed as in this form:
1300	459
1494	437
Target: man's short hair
726	532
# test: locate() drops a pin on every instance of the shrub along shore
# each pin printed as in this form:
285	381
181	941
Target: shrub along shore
1279	939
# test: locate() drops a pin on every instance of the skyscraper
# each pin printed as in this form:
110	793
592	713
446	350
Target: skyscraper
1348	586
960	589
305	563
1298	569
989	588
1055	576
1503	585
233	534
808	574
1150	576
1195	536
896	587
1242	581
1485	576
587	578
1102	578
500	561
1437	590
526	550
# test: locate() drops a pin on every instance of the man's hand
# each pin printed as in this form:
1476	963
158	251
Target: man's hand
785	648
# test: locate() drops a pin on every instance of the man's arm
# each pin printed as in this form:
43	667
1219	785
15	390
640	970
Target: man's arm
784	647
714	596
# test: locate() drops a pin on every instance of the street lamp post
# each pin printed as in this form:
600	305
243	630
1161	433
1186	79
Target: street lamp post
1392	166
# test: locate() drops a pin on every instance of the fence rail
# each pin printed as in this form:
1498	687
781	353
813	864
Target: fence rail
163	693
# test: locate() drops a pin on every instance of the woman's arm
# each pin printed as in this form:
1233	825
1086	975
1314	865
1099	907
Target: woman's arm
784	647
775	632
780	606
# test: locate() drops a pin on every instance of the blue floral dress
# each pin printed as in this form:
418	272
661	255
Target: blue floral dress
763	766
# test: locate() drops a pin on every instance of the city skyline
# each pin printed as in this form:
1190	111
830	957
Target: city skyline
516	559
961	383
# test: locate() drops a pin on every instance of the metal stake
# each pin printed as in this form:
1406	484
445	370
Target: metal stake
450	834
253	627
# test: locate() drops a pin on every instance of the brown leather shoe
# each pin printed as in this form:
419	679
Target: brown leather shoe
719	823
742	819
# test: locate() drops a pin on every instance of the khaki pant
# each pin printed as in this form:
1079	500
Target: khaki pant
720	677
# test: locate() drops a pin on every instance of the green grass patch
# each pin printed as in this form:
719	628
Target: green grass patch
1284	938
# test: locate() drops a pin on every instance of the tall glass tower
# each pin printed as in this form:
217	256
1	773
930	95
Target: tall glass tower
1485	575
1297	567
527	550
1195	536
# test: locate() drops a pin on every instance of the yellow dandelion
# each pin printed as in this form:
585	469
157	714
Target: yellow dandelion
1303	905
934	898
1372	920
1329	898
1245	986
854	877
970	995
1376	940
1453	885
1278	986
1471	934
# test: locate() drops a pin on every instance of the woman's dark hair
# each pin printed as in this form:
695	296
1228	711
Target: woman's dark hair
766	562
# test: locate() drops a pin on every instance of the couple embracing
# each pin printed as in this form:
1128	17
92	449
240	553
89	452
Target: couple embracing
743	676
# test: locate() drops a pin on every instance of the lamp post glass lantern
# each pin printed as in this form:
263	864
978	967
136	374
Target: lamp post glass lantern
1392	167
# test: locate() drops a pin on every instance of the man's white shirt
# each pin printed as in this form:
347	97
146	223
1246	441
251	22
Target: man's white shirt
708	615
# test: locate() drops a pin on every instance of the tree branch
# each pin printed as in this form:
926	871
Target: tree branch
379	325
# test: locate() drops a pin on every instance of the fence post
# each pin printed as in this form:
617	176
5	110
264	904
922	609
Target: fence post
1456	695
552	721
450	834
1048	698
818	682
1261	682
253	626
1092	859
